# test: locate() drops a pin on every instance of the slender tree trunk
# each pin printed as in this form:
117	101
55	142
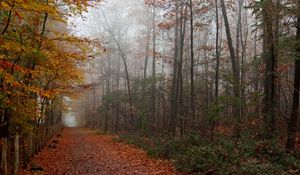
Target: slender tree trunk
180	65
118	88
4	169
206	73
164	104
153	67
107	102
238	34
192	62
8	20
117	117
174	94
243	40
237	49
17	154
217	52
31	144
235	72
256	74
217	61
276	55
25	152
146	54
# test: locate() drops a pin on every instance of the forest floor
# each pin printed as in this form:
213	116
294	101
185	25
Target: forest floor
79	151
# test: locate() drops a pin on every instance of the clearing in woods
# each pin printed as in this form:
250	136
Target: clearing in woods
81	151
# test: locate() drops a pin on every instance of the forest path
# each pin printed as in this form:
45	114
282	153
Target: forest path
82	151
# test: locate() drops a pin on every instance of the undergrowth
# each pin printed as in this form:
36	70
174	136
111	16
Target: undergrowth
221	156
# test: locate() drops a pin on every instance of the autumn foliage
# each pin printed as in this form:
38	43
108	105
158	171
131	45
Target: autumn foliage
39	65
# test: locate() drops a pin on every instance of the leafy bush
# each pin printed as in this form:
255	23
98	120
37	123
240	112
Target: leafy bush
259	168
198	159
223	156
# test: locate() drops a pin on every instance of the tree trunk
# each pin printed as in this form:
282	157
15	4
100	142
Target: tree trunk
238	35
180	64
153	67
31	145
292	124
25	153
217	52
4	169
117	117
276	55
217	61
107	102
243	41
256	74
146	54
4	133
17	154
269	56
174	92
235	72
192	62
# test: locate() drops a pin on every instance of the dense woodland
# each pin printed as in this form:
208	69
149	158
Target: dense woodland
211	84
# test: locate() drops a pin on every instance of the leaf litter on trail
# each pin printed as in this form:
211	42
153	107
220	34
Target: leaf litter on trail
82	152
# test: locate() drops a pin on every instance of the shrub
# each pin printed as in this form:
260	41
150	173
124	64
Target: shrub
223	156
255	167
198	159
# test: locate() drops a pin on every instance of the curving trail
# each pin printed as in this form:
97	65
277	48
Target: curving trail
83	152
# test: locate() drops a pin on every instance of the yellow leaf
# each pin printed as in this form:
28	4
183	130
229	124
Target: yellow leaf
4	5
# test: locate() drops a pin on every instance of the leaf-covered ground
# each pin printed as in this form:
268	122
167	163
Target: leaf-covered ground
84	152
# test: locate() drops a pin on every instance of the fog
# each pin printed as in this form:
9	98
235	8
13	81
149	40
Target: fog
70	120
121	27
163	65
211	85
145	55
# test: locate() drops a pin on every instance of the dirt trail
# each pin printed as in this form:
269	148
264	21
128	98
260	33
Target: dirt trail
83	152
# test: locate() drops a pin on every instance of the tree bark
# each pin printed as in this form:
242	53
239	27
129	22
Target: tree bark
25	152
235	72
217	52
292	124
174	92
217	61
192	62
153	67
146	54
17	154
4	169
182	30
269	56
